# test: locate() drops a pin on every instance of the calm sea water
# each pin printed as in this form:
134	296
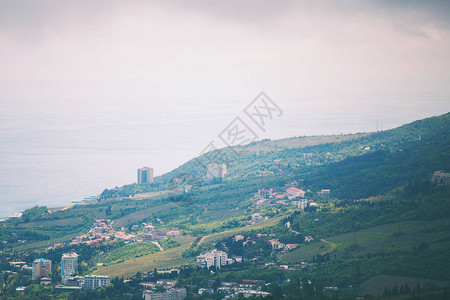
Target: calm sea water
52	153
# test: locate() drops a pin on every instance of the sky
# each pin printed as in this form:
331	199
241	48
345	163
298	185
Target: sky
155	81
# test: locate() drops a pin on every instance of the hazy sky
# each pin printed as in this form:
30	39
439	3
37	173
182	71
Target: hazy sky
203	52
165	77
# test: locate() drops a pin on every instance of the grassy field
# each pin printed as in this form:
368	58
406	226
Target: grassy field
48	243
141	214
305	253
166	259
297	142
388	237
60	222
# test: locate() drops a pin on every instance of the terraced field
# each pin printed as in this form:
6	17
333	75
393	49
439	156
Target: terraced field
161	260
388	237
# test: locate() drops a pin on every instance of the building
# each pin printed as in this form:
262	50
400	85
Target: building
441	177
46	281
41	268
303	203
69	264
293	192
214	258
145	175
95	281
173	233
149	228
266	193
257	217
75	281
216	171
325	193
172	294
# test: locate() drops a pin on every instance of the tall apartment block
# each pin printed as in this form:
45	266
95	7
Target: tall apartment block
69	264
145	175
41	268
216	171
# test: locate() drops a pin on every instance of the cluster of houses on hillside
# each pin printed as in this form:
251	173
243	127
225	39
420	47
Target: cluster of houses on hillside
153	234
275	243
100	231
291	195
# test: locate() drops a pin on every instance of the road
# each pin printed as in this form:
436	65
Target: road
159	246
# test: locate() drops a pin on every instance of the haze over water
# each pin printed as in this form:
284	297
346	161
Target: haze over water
54	154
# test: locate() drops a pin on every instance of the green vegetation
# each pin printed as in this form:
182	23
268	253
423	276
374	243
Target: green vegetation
127	252
385	220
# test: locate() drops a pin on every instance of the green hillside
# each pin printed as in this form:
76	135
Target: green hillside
384	217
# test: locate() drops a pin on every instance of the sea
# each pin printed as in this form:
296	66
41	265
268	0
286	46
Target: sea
55	152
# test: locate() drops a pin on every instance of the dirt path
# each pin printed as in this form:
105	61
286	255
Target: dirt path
333	246
159	246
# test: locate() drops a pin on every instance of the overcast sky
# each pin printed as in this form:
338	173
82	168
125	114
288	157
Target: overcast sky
198	51
92	90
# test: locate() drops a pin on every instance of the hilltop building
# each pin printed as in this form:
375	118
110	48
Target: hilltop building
69	264
41	268
145	175
95	281
441	177
216	171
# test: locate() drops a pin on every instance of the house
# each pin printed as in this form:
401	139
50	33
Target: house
290	246
238	238
293	192
262	202
166	283
249	283
257	217
46	281
308	238
325	193
276	244
267	193
149	228
173	233
281	202
314	204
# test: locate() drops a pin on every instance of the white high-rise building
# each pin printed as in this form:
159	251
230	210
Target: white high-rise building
69	264
214	258
145	175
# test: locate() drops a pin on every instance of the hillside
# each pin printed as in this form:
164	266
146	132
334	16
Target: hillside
383	213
